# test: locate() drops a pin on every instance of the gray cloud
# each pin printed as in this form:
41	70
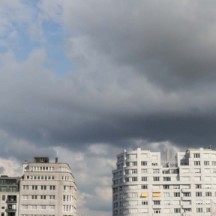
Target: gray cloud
170	42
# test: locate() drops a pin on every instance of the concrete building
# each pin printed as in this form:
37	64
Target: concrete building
47	189
143	185
9	196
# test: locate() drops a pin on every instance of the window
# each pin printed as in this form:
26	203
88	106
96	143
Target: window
144	170
176	194
157	211
3	197
156	202
34	196
134	171
52	187
134	179
166	194
156	171
198	186
167	178
156	178
199	210
198	194
134	163
144	178
43	187
144	186
187	194
166	187
43	196
208	209
25	187
52	197
208	194
143	163
196	163
206	163
177	210
144	202
34	187
197	155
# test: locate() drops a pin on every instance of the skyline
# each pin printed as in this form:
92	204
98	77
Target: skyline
84	80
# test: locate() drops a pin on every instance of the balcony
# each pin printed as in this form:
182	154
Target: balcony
10	210
11	201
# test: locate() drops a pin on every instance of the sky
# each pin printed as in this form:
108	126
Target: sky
83	80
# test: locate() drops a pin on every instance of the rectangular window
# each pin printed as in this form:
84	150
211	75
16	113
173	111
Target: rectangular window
197	155
167	178
52	187
206	163
166	187
25	187
156	171
34	196
134	163
198	194
198	186
34	187
144	178
176	194
156	178
134	179
134	171
43	196
196	163
199	210
156	202
208	194
144	170
177	210
143	163
43	187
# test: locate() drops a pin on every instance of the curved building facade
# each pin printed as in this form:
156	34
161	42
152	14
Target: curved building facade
143	185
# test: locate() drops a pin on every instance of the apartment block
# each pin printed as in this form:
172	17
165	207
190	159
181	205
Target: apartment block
9	196
45	189
144	185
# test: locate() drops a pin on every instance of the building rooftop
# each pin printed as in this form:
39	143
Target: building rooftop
41	159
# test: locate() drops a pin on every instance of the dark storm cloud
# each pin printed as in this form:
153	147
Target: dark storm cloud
170	42
127	54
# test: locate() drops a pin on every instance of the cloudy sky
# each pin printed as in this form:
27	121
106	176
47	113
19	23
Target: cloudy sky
85	79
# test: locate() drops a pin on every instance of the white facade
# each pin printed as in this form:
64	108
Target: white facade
143	185
47	189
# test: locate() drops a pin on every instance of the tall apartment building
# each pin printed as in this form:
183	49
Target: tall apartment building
47	189
9	196
143	185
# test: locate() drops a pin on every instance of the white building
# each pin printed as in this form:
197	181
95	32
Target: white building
47	189
143	185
